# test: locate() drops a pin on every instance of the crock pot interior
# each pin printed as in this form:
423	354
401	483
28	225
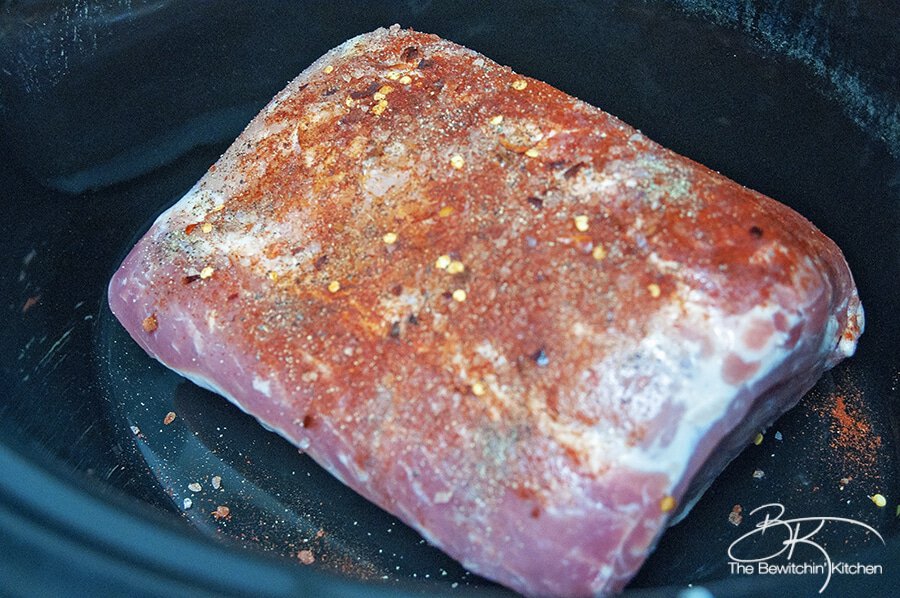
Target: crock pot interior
108	114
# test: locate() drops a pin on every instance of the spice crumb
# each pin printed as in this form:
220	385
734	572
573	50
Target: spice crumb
478	389
532	152
442	262
169	418
581	223
667	504
187	503
778	436
216	482
206	272
306	557
221	512
150	323
380	107
445	211
389	238
405	80
135	430
457	161
496	120
455	267
195	487
598	253
207	227
879	500
735	518
334	286
654	290
757	440
519	84
759	474
328	69
459	295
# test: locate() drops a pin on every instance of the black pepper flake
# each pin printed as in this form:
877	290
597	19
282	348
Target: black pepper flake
190	279
309	421
413	320
364	93
320	261
395	330
573	170
424	64
330	91
557	164
397	290
536	201
410	54
756	232
540	357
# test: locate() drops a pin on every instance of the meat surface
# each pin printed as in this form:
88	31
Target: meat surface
495	311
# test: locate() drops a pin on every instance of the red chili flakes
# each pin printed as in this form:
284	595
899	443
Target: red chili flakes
735	518
410	54
30	302
150	324
306	557
169	418
190	228
221	512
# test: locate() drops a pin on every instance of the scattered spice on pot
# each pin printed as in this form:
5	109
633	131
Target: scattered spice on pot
879	500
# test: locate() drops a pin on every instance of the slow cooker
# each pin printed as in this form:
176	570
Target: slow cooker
114	470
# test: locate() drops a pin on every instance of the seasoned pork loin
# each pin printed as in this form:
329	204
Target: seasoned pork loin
495	311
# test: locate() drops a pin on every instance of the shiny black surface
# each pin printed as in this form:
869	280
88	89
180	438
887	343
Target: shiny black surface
93	147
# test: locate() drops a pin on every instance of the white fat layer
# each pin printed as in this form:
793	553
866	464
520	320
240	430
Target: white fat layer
702	391
249	248
678	372
262	386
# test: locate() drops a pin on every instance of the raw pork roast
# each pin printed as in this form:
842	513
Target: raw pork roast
497	312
